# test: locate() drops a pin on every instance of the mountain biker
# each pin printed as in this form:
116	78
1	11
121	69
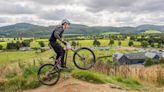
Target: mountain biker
57	35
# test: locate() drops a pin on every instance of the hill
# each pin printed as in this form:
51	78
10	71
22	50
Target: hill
74	85
31	30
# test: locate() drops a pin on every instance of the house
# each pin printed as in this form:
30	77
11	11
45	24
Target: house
25	49
136	58
101	48
121	58
161	54
133	58
152	55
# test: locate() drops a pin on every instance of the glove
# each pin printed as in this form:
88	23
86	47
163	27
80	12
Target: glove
64	42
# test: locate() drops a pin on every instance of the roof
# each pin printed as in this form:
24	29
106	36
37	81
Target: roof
140	55
117	55
150	54
161	54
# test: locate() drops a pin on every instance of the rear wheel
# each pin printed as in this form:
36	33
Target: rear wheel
84	58
48	74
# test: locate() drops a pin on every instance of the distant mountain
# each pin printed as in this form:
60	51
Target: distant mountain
152	27
31	30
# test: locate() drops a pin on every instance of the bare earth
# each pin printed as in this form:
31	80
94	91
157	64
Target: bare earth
74	85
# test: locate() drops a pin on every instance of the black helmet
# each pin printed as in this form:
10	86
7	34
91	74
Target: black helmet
65	21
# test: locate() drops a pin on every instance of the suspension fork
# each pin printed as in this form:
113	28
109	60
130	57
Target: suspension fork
76	53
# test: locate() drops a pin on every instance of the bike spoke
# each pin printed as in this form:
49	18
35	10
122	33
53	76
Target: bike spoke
84	59
48	74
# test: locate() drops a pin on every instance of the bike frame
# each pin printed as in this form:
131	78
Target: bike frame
66	54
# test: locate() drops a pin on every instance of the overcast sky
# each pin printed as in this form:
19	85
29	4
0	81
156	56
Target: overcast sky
88	12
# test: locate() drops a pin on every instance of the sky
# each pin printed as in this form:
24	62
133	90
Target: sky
87	12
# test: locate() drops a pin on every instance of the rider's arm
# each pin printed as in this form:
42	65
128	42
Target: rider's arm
57	33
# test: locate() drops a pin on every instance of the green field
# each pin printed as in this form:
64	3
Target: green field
89	43
151	32
7	57
82	43
106	33
11	56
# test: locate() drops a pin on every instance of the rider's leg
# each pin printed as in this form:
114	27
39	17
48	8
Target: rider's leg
59	51
62	54
57	57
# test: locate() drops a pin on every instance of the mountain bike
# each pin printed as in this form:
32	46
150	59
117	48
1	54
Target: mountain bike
83	58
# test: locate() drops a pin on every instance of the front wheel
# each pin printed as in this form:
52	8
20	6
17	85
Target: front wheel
48	74
84	58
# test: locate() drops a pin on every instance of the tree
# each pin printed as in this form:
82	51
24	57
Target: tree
133	37
96	43
111	42
130	43
25	43
41	43
1	47
73	44
144	43
159	45
11	45
18	45
119	43
152	45
77	43
150	40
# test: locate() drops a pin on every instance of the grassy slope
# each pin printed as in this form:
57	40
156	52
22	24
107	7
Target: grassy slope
128	83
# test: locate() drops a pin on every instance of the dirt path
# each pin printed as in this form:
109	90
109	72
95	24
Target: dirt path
74	85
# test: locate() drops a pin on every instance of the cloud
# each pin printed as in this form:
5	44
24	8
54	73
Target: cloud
124	5
89	12
16	8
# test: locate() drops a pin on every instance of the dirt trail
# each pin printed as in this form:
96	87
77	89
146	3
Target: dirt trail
74	85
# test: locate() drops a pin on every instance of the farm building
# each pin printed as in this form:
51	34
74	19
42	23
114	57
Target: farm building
25	49
133	58
136	58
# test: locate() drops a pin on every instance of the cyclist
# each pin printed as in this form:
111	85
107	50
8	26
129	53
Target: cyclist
57	35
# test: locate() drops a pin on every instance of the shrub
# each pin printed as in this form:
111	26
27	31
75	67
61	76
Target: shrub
1	47
149	62
11	45
11	74
161	61
41	43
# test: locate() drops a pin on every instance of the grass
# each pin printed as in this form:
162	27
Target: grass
83	43
7	57
89	43
151	31
12	56
26	78
106	33
127	83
